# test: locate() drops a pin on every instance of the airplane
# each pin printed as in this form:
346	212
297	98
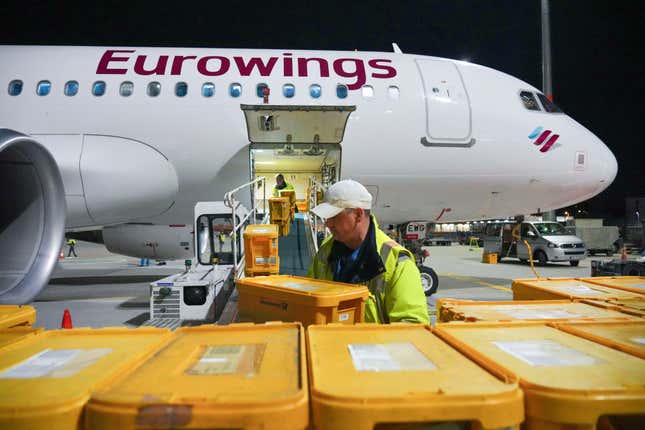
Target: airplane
135	136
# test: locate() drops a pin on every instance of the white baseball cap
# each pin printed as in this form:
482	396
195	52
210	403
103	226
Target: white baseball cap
347	194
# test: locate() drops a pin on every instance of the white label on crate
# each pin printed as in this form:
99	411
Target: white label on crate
638	340
228	360
299	286
55	363
539	314
637	285
547	353
388	357
576	289
343	317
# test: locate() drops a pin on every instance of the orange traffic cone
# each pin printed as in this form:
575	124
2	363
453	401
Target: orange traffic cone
67	320
623	254
61	255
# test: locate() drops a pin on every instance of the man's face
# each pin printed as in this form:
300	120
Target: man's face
279	180
343	225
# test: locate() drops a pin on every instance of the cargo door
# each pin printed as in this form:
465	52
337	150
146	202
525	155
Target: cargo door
448	115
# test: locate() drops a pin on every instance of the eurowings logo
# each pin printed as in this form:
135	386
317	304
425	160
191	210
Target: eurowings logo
542	137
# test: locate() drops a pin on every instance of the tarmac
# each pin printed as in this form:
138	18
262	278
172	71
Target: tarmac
105	290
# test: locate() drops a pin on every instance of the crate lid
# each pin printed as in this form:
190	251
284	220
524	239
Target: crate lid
15	334
56	370
524	310
404	365
634	284
574	288
269	230
12	315
544	358
628	337
631	307
211	367
304	290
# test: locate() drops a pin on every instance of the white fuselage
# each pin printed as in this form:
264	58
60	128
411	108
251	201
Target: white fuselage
480	163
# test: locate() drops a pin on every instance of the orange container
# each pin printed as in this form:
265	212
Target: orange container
526	310
302	206
628	337
373	376
566	288
291	195
284	228
294	298
238	376
261	249
631	307
568	382
489	258
17	334
16	315
633	284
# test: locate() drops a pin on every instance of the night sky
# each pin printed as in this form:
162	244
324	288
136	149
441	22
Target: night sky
598	66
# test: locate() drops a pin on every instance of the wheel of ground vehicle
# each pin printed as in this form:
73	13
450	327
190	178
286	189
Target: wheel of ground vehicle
574	263
632	269
610	252
540	256
429	280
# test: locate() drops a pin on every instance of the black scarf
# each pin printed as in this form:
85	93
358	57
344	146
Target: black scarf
365	267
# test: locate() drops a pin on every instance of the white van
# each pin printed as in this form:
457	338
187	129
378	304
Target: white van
549	241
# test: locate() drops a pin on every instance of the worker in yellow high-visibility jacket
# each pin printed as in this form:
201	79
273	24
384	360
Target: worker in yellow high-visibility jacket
358	252
280	184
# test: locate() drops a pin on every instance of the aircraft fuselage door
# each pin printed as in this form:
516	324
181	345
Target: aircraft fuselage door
448	115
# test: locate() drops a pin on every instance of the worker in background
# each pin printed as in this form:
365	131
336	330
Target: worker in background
72	247
358	252
280	184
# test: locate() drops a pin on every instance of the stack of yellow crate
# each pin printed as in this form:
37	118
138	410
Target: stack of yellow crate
261	250
280	212
291	195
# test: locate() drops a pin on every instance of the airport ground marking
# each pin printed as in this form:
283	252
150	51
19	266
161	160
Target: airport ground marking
471	279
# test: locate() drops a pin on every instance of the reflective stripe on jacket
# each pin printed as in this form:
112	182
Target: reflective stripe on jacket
395	295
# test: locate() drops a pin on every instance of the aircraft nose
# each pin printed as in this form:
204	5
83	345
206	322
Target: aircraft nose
605	165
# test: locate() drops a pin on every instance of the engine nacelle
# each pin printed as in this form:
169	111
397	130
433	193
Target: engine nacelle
160	242
32	217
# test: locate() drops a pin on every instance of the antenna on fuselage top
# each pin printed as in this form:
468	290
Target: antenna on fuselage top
396	48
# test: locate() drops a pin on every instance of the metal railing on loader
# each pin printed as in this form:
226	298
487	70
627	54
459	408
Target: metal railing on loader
316	224
231	202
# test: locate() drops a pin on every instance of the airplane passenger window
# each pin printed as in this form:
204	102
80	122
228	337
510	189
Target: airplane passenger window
260	88
548	105
181	89
341	91
43	88
288	90
368	91
315	91
529	101
98	88
208	89
393	92
126	89
71	88
154	89
235	90
15	87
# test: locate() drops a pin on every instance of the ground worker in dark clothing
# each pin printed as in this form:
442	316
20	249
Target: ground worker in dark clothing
72	244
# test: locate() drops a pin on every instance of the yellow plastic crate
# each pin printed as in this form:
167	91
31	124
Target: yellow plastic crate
261	249
628	337
631	307
17	334
527	310
633	284
46	381
240	376
279	209
568	382
370	376
284	228
489	258
294	298
16	315
566	288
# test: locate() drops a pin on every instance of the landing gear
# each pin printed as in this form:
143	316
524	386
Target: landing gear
429	280
574	263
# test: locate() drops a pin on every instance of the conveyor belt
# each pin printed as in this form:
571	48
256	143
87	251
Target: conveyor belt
295	257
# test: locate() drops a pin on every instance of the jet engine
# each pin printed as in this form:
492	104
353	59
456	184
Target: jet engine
32	217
